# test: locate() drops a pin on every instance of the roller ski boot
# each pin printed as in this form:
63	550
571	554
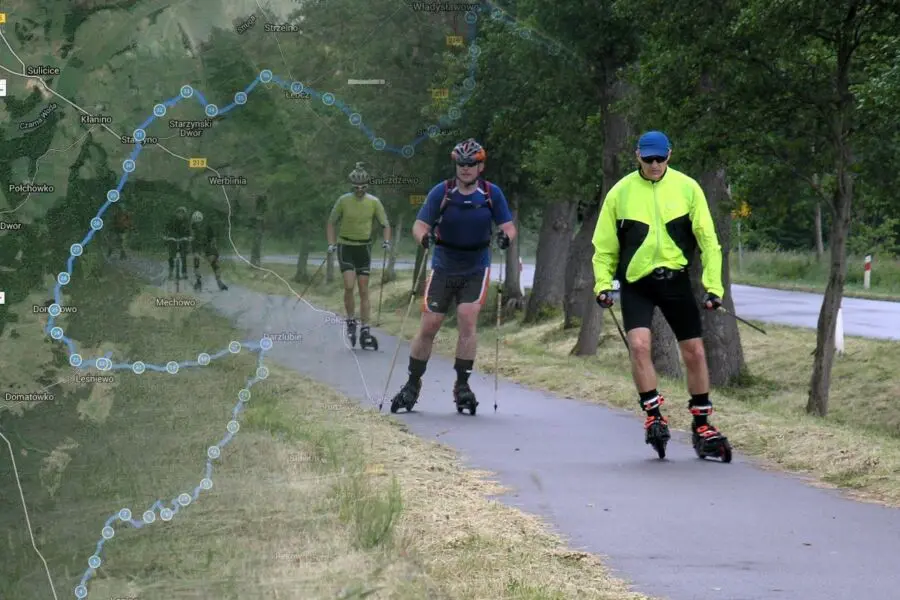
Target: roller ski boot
366	340
464	398
407	397
351	332
707	440
656	428
710	443
222	286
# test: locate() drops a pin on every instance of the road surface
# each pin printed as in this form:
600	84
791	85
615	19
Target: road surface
866	318
682	529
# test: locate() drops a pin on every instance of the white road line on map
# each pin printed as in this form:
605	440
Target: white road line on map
12	457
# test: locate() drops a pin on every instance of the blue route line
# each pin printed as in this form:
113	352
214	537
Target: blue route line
105	363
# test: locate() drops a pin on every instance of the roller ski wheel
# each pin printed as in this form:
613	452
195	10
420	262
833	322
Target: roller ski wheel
366	340
406	397
657	434
709	443
464	398
351	332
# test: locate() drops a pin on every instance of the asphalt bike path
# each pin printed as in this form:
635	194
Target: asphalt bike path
683	528
878	319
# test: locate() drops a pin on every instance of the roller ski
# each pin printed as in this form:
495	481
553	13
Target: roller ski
366	340
464	398
351	332
407	397
656	427
710	443
707	440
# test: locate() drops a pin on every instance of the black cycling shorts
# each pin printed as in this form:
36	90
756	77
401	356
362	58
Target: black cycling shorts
355	258
675	300
441	289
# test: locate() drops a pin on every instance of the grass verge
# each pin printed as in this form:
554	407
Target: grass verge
856	448
314	497
801	272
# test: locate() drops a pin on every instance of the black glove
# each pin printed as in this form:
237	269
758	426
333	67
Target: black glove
605	299
427	240
711	301
502	239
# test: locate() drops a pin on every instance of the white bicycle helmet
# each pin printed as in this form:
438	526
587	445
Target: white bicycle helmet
359	176
197	217
468	150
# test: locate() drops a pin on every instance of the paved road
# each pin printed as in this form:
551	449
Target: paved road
866	318
682	529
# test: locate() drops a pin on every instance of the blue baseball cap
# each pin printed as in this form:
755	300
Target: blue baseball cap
654	143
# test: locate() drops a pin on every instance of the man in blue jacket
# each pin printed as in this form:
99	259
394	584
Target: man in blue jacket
457	218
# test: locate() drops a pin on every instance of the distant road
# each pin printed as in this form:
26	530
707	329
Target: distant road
865	318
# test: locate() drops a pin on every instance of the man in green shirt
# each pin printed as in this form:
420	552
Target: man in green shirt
352	240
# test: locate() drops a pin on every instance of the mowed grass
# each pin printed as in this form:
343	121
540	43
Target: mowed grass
314	497
857	447
801	271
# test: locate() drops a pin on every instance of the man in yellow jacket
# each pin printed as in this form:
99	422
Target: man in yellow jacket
651	222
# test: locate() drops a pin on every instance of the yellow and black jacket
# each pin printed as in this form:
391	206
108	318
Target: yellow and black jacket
644	225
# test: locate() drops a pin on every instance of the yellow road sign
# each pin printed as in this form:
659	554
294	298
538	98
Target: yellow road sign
197	163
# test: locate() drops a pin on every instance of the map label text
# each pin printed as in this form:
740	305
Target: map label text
281	28
127	139
96	119
31	188
42	70
10	226
227	180
175	302
243	27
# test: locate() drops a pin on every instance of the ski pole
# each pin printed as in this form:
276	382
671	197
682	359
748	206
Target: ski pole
381	288
619	327
412	297
497	353
311	279
722	309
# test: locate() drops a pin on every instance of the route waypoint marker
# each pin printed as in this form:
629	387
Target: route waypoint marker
166	514
197	163
187	91
212	110
206	483
159	110
149	517
262	372
112	195
138	367
96	223
139	135
213	452
94	561
240	98
265	76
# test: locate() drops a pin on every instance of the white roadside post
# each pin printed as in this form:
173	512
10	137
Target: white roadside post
839	333
867	272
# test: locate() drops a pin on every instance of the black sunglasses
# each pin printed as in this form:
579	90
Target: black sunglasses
654	159
466	163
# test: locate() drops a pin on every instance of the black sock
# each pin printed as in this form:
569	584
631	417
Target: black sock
700	400
463	369
653	412
416	369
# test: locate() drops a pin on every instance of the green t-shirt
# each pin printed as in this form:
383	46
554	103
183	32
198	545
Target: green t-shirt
356	215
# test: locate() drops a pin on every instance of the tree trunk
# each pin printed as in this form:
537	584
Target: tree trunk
837	240
824	355
820	243
721	336
580	270
512	283
256	250
302	276
616	133
390	273
554	240
664	347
